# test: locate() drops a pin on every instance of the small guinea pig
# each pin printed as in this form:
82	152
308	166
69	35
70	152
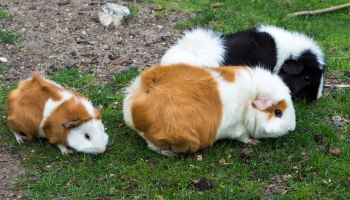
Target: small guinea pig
41	108
181	108
293	56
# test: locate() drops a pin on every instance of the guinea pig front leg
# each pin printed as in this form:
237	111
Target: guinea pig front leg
19	137
64	149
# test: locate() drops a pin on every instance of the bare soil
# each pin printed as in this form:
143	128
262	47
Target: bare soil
10	169
66	33
55	36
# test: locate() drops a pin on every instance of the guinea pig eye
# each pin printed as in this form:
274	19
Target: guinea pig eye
278	113
87	136
307	78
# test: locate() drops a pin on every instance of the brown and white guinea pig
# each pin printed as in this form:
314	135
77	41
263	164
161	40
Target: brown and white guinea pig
41	108
181	108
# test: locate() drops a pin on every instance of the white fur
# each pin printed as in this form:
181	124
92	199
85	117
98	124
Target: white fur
240	120
320	88
132	89
50	106
291	44
88	106
198	47
98	138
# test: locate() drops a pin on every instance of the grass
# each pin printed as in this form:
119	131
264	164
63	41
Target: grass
128	169
6	36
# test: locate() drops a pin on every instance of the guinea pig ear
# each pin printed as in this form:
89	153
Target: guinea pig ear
292	68
261	103
71	124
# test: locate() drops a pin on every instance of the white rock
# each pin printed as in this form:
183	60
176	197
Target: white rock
4	60
159	27
111	15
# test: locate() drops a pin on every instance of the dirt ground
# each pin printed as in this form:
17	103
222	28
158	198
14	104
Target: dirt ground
55	36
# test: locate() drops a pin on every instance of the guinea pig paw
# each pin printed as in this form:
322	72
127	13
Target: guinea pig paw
253	141
65	150
168	153
20	138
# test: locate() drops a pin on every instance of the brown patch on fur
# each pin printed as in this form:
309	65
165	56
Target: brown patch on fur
228	73
26	104
68	111
177	108
281	105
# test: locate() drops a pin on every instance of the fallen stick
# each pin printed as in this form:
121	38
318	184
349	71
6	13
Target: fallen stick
337	86
315	12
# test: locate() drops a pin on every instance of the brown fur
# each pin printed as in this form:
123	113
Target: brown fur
281	105
68	111
228	73
190	106
26	105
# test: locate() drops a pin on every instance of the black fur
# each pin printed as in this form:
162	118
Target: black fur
305	84
253	48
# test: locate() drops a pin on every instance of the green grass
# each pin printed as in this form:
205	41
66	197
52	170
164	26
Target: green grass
6	36
128	169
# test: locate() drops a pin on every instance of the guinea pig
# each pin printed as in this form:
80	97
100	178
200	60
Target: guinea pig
42	108
182	109
294	56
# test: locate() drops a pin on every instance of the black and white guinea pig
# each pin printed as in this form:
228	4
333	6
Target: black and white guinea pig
294	56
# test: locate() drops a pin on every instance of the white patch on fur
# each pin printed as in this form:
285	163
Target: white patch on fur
50	106
291	44
320	88
88	106
198	47
233	100
240	120
98	138
132	89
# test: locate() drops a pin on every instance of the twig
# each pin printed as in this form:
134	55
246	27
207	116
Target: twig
337	86
315	12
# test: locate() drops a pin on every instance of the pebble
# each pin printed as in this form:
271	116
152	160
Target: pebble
4	60
159	27
63	2
111	15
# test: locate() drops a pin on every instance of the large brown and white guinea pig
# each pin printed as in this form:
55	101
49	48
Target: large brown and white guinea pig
296	58
41	108
181	108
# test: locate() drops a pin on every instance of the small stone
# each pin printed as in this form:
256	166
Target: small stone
216	5
199	158
334	151
113	56
222	161
63	2
111	15
159	27
3	59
